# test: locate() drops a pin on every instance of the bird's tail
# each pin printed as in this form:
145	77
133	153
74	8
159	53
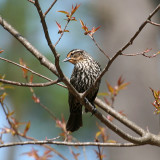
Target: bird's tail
74	122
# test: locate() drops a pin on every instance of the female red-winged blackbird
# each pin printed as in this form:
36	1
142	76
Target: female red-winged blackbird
84	74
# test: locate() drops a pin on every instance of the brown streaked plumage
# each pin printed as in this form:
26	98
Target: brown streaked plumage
84	74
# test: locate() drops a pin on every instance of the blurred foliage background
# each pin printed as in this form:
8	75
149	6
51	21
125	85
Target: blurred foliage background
119	20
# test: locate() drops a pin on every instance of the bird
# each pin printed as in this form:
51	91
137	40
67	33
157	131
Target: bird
85	72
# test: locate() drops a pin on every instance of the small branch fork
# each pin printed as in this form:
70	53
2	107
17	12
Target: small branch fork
145	136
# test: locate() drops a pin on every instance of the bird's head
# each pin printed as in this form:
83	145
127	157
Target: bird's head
76	55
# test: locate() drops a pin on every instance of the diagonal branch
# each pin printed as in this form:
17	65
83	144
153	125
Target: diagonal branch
124	120
50	8
137	140
91	36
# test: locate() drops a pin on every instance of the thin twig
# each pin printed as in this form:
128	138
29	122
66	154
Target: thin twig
142	54
10	123
154	55
99	46
50	8
137	54
49	111
19	65
37	100
99	152
153	23
62	33
29	84
33	72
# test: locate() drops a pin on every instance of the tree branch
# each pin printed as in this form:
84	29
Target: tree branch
19	65
69	144
124	120
62	32
9	122
91	36
50	8
116	129
137	54
33	72
81	143
21	84
153	23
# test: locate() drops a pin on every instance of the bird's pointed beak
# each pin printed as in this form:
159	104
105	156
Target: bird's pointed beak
66	59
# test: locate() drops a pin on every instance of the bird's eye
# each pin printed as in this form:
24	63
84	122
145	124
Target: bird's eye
72	54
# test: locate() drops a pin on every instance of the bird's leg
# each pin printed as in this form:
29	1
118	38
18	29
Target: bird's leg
93	107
